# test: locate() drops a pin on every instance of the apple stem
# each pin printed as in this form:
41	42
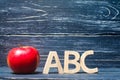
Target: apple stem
20	45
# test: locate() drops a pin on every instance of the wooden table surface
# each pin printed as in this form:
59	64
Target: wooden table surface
103	74
59	25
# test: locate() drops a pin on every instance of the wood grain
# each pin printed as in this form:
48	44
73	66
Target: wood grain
59	25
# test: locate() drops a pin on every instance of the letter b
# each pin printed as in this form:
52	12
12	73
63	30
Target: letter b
73	61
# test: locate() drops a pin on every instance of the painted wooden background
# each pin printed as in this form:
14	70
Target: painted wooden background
59	25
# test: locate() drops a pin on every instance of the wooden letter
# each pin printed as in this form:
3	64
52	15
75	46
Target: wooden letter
82	62
73	61
52	54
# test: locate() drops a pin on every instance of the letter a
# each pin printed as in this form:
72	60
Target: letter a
73	61
49	64
82	62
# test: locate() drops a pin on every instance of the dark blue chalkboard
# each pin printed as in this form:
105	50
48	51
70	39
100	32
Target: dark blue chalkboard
59	25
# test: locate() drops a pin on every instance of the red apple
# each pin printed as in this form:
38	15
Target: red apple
23	59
